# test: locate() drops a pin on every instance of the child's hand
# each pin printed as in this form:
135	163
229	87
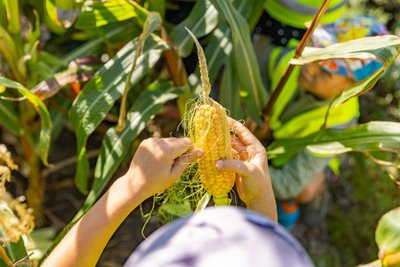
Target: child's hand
253	184
159	162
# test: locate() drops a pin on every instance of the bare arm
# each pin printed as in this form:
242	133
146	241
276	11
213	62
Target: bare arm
84	243
253	183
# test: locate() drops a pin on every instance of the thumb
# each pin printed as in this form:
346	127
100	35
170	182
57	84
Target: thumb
243	168
182	162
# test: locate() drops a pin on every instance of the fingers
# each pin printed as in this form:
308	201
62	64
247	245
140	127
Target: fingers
239	148
243	168
167	148
244	134
182	162
248	145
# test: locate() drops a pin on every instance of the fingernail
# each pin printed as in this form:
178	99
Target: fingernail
200	152
219	164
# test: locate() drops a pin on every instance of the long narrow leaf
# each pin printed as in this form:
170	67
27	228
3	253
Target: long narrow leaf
101	92
45	132
219	46
89	47
382	47
371	136
358	89
97	14
245	59
229	92
202	20
116	144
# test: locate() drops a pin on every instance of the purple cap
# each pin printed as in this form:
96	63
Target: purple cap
220	236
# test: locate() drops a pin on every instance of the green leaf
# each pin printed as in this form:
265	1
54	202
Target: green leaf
9	117
45	132
8	50
371	136
116	144
97	14
219	47
176	210
356	90
152	23
385	48
229	92
387	233
90	47
157	6
14	24
244	56
202	19
100	93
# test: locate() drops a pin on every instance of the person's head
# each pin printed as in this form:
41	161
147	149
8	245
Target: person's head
221	236
329	78
323	84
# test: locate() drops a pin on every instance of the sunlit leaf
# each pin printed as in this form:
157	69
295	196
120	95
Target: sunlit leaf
45	132
202	20
371	136
382	47
116	144
97	14
100	93
244	57
92	46
152	23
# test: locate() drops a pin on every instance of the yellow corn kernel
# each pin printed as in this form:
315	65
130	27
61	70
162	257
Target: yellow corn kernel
211	133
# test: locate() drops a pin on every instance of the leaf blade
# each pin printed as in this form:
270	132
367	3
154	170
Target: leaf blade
100	93
45	131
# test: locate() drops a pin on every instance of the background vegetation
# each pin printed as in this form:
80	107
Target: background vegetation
82	82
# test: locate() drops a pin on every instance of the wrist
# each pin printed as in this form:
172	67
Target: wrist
264	204
129	190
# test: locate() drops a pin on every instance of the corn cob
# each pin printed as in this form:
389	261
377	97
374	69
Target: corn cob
211	133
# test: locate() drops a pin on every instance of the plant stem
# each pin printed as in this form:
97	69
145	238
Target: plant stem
122	111
299	50
4	256
37	182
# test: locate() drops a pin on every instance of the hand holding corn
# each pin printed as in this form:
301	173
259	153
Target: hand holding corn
253	182
159	162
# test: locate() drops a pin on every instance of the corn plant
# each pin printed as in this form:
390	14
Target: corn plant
142	69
